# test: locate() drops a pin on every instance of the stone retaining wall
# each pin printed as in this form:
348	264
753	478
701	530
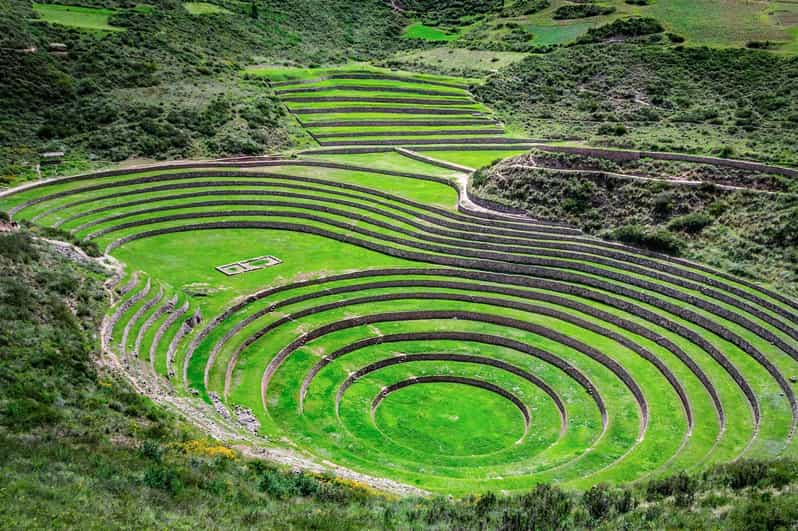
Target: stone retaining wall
622	155
377	99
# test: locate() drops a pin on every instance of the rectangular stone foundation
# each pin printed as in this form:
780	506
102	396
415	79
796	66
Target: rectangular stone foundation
251	264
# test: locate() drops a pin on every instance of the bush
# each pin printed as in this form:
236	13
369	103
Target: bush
691	223
740	474
612	129
622	29
765	513
525	7
663	203
602	502
17	246
660	241
163	478
598	502
571	11
546	507
759	45
681	486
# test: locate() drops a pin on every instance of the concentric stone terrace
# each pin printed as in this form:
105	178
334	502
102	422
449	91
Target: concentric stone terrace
346	109
410	336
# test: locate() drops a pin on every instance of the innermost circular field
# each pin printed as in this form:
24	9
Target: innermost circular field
450	418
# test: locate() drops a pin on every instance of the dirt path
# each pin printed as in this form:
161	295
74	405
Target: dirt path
632	177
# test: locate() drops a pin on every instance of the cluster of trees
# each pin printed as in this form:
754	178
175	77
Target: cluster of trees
94	100
679	99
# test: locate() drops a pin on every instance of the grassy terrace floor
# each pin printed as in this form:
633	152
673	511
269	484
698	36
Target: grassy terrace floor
358	106
397	325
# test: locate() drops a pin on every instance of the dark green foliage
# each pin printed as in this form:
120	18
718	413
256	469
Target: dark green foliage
168	86
521	8
663	203
164	478
17	246
612	129
570	11
786	233
744	98
628	28
764	513
546	507
434	12
692	223
658	240
504	37
759	45
747	473
674	38
598	502
602	502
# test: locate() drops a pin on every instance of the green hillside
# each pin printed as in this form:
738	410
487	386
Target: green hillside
404	264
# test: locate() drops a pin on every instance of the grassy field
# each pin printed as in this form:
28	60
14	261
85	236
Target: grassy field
456	59
86	18
373	346
418	30
387	107
553	342
103	453
204	8
702	23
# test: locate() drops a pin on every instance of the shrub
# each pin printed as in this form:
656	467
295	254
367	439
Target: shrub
546	507
660	241
525	7
151	450
602	502
163	478
612	129
681	486
765	513
759	45
570	11
786	231
622	29
740	474
598	502
663	203
17	246
691	223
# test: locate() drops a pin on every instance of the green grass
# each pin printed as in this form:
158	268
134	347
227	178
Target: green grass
281	73
431	435
418	30
86	18
450	59
204	8
98	452
442	428
473	159
730	23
